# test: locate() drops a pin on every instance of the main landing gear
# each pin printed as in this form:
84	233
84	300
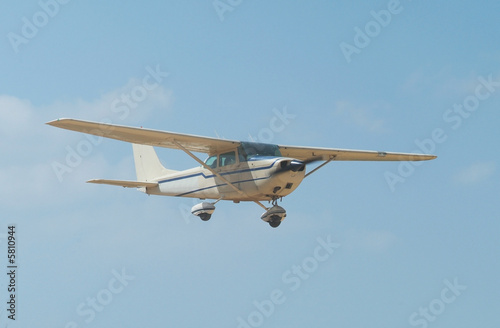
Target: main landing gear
204	210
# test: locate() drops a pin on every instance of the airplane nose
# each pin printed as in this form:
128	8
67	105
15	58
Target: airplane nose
293	166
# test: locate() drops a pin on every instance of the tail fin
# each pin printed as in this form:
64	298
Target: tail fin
147	165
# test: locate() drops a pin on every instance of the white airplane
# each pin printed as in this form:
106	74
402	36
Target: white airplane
234	170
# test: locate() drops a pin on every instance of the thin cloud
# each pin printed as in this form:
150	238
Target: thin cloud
442	84
31	147
475	173
361	117
16	115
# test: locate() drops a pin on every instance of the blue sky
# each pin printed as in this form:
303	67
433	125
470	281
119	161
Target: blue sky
414	246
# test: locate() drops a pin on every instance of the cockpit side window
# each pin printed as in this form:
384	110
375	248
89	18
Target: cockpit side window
212	161
227	158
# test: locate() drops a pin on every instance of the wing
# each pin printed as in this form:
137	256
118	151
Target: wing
125	183
308	153
147	136
213	145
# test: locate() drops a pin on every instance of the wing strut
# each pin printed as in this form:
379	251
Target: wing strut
326	162
216	173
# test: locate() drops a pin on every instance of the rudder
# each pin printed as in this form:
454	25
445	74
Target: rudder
147	164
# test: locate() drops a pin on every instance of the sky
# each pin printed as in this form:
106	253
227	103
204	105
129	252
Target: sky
364	244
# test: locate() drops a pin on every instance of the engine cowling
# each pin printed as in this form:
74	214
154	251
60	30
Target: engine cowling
204	210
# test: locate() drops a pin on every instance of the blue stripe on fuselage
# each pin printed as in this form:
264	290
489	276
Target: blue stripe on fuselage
225	173
219	185
222	173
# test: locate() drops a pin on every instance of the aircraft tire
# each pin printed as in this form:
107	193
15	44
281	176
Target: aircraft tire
205	216
275	222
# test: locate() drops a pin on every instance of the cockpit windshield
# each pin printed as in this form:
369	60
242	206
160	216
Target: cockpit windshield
250	149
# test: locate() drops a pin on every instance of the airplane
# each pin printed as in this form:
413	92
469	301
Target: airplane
234	170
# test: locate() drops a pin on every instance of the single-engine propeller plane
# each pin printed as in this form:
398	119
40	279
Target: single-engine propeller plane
234	170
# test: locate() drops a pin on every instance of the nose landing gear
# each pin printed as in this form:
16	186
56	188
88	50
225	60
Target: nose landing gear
274	215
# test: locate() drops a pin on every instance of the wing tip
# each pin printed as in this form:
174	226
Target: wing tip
420	157
57	121
428	157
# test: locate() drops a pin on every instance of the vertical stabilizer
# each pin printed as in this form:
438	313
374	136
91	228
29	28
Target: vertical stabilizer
147	164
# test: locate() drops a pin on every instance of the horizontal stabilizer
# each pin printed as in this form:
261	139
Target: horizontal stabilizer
124	183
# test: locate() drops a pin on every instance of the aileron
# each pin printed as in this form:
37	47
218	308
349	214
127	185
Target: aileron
146	136
308	153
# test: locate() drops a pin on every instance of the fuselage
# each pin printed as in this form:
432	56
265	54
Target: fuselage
258	178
